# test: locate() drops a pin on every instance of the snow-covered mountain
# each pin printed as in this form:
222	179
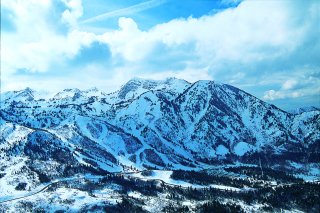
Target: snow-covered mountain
164	124
304	109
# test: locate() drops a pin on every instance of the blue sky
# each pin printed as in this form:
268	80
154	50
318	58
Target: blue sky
270	49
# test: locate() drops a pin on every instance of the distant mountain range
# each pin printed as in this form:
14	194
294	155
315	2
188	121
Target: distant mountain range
304	109
150	124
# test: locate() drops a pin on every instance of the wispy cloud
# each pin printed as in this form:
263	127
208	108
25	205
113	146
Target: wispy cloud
126	11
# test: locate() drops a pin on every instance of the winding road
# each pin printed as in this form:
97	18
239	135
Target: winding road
44	188
181	184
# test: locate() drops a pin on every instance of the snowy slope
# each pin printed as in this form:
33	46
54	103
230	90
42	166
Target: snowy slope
164	124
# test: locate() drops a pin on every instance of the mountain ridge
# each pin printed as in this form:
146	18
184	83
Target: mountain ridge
173	122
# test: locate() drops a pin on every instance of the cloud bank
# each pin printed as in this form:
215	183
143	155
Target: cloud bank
269	48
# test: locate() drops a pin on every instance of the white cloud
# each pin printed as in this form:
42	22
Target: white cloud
307	86
36	45
302	83
265	42
272	95
289	84
129	42
254	31
74	12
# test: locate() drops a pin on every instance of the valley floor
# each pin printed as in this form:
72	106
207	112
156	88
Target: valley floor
227	189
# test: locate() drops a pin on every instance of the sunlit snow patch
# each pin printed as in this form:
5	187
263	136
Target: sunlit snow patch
222	150
242	148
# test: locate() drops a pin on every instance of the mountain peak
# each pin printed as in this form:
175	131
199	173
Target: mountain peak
139	80
25	94
92	89
28	89
73	93
72	90
137	86
174	80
